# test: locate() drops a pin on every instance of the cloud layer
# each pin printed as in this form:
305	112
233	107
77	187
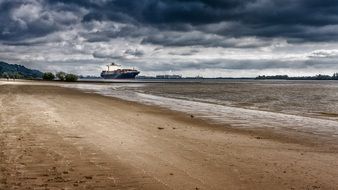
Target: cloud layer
204	37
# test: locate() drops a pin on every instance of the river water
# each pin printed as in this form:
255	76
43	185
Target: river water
303	106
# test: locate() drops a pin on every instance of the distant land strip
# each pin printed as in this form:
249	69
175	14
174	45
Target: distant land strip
286	77
20	72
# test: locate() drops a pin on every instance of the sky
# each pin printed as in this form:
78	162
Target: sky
210	38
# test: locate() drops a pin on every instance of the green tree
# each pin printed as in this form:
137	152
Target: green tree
71	78
323	77
5	75
17	75
335	76
61	75
48	76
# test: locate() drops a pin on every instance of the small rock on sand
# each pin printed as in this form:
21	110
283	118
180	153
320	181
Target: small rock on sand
88	177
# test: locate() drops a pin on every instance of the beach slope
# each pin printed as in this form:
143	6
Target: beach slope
53	137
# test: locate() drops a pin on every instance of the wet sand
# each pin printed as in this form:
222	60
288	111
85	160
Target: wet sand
59	138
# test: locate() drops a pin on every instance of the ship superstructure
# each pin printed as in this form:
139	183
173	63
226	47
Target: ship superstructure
115	71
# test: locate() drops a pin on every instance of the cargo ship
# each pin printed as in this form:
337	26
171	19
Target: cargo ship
115	71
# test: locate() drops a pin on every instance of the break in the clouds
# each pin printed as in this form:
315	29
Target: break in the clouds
189	37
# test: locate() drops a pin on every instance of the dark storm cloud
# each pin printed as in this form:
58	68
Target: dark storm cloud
112	32
134	52
16	29
228	64
185	53
200	39
299	19
22	20
295	20
103	55
118	55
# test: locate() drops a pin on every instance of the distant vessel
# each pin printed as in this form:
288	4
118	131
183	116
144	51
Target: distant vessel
115	71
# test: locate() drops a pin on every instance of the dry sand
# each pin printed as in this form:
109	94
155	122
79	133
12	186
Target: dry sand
58	138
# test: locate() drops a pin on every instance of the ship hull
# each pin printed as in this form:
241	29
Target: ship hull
130	75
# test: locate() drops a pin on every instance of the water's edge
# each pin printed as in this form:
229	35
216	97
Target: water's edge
220	114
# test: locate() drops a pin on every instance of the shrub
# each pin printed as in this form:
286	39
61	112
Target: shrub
335	76
71	78
48	76
61	75
5	75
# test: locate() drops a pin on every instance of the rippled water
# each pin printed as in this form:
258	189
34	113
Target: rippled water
302	106
308	98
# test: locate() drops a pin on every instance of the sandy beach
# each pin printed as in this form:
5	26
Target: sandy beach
60	138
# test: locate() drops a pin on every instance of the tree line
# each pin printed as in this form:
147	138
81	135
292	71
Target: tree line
15	71
286	77
62	76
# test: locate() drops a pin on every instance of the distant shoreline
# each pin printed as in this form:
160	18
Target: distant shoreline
152	81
